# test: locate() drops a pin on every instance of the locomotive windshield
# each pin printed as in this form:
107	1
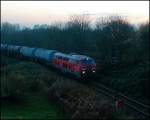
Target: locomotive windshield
87	61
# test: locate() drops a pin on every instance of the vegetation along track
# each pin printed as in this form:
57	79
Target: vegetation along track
128	102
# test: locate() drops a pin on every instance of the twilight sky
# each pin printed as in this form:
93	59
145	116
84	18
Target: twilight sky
28	13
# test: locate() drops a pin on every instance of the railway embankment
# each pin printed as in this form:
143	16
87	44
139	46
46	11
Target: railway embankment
79	101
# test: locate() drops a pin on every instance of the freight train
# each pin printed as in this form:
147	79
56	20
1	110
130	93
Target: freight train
80	66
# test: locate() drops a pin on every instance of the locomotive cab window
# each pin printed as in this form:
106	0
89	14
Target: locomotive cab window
59	57
87	61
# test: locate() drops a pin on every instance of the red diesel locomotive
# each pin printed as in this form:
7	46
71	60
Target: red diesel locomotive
79	65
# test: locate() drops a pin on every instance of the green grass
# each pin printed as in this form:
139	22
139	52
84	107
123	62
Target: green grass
35	106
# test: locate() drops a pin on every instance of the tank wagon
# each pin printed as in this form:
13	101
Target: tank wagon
80	66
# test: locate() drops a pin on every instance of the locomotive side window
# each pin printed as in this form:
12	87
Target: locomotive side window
73	61
65	58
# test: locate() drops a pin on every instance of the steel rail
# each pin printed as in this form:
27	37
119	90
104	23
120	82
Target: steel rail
129	102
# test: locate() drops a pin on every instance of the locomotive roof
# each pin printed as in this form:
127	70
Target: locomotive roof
61	54
80	57
74	57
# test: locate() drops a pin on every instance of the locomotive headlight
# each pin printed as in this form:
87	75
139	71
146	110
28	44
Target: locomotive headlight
93	71
83	72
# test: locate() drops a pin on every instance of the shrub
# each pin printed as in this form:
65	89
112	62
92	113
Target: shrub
12	85
80	102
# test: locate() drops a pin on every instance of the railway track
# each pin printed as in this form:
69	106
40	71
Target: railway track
133	104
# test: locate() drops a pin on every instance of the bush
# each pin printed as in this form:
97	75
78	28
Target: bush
13	85
80	102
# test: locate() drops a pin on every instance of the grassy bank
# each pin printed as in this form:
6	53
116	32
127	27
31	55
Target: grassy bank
35	106
23	89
